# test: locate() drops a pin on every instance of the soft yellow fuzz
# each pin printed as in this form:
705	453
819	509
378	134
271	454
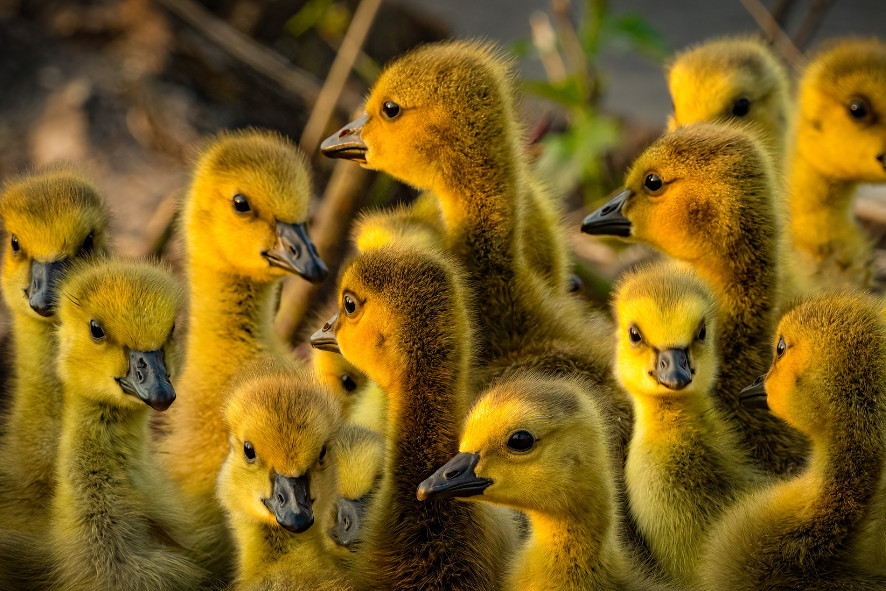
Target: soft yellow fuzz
291	422
833	152
49	213
708	79
457	134
563	483
116	522
715	209
420	220
232	294
812	531
685	466
358	454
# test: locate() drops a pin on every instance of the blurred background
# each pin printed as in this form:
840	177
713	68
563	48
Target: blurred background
131	87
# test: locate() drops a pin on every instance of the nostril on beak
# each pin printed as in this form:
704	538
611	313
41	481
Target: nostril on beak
452	474
280	498
344	132
608	209
294	250
326	327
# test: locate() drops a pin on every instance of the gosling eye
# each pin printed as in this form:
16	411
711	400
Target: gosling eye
96	331
702	333
634	335
241	205
322	454
390	109
88	243
858	109
780	348
248	452
521	441
653	183
348	383
741	107
13	242
350	305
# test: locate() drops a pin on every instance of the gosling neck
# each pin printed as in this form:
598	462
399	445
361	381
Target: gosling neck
820	208
482	213
262	546
667	419
577	548
35	416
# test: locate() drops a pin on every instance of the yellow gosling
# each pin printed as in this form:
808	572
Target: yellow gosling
704	193
278	476
839	141
735	80
52	217
685	464
116	522
442	118
827	380
244	229
538	445
403	321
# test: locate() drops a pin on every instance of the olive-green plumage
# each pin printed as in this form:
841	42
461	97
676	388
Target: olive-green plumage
404	321
827	380
116	522
51	216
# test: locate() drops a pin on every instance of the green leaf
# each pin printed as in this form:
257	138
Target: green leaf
567	92
635	31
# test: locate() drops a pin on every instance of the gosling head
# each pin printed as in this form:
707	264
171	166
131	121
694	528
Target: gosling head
358	455
665	340
396	303
433	116
691	189
534	444
247	208
52	217
842	126
281	424
116	333
736	80
828	368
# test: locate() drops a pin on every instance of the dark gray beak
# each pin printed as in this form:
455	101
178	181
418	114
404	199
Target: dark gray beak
754	396
349	521
324	339
41	290
608	220
672	369
291	503
148	379
455	478
296	253
346	143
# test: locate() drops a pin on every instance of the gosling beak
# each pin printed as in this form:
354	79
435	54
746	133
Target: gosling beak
148	380
608	220
754	396
349	521
455	478
41	291
672	369
295	253
291	503
324	339
346	143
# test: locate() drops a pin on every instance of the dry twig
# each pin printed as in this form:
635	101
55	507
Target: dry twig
775	34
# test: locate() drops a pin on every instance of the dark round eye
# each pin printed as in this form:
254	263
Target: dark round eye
13	242
348	383
390	109
702	333
634	335
248	451
95	330
521	441
652	183
241	205
780	348
322	453
350	305
858	110
88	243
741	107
